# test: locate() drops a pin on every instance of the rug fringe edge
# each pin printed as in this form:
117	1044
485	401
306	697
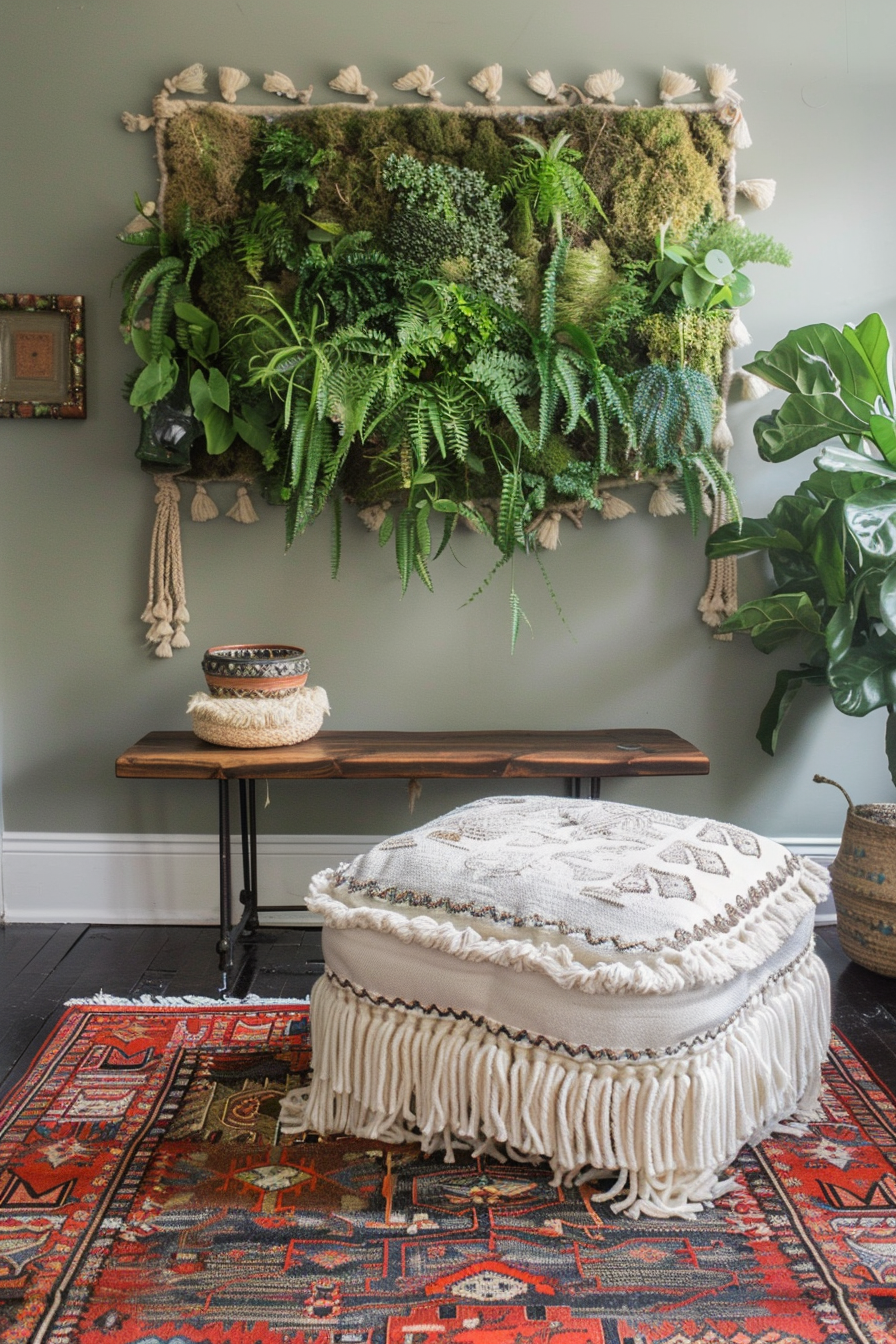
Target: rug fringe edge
183	1001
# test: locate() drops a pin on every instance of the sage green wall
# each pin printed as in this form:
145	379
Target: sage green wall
76	513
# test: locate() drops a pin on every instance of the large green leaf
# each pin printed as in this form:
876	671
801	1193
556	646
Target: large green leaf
154	382
220	431
871	518
751	534
787	683
839	630
804	422
771	621
886	598
835	457
203	334
883	432
790	365
826	549
872	339
864	679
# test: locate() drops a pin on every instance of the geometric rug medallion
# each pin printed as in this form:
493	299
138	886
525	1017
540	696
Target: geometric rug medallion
147	1197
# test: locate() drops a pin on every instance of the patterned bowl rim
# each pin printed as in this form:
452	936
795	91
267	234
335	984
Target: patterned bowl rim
243	653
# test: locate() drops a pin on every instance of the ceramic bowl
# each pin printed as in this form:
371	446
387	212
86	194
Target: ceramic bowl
255	670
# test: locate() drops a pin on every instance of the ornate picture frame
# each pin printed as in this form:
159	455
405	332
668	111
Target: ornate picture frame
42	357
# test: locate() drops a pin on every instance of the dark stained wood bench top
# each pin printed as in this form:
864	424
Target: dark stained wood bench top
589	753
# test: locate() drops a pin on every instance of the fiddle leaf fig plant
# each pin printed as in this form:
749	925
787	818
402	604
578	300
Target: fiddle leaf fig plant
831	544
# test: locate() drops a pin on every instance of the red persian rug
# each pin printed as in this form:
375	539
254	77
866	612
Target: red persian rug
146	1195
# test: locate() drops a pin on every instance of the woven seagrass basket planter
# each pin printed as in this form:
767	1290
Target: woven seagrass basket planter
863	882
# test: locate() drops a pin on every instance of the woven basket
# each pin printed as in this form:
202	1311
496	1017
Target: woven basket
240	722
863	881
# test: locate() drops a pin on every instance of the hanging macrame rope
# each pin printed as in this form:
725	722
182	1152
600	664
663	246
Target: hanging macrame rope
166	609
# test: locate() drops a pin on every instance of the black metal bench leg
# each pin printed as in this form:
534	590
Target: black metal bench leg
225	945
249	836
575	786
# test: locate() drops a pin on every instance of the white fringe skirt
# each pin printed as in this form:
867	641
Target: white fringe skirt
666	1122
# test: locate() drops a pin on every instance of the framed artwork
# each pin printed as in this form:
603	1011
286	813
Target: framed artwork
42	356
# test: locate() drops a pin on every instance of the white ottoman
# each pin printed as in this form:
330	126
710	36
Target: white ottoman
613	988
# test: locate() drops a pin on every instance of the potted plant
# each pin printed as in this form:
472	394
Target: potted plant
832	548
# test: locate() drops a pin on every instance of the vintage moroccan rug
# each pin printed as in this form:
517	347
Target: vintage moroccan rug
145	1195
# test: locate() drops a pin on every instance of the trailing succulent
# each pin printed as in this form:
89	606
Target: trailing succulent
421	310
832	543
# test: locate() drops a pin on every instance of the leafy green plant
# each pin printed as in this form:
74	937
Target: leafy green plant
832	543
547	188
289	162
701	278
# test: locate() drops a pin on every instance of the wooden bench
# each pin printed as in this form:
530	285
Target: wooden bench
586	755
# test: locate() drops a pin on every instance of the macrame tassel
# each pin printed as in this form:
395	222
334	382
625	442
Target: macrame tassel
137	122
166	608
349	81
613	506
759	191
721	80
738	131
542	84
203	508
673	84
737	336
488	81
243	510
283	86
190	80
604	85
546	529
752	387
720	599
415	789
421	80
664	502
722	438
231	81
374	515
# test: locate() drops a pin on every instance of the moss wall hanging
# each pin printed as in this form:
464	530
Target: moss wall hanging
489	316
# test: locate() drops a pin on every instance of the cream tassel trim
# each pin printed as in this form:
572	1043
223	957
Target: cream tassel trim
166	609
231	81
190	80
614	507
421	80
668	1126
545	526
721	80
665	503
737	336
349	81
542	84
720	599
710	958
752	387
488	81
738	131
604	85
136	121
722	438
673	84
283	86
203	508
243	510
759	191
374	515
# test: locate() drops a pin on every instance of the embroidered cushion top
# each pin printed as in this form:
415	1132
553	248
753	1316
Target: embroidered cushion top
599	895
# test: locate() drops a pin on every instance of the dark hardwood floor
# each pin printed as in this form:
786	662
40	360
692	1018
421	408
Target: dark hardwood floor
42	965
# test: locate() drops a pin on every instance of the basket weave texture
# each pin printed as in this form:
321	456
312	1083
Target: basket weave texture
863	879
263	722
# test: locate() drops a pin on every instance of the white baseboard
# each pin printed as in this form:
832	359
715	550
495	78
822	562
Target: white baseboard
59	878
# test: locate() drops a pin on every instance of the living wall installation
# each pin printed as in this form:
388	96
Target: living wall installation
479	316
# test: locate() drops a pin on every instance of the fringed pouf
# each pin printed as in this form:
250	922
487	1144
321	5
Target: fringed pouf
615	989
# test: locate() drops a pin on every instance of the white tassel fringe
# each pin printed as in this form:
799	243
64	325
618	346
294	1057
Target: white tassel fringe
243	510
614	507
669	1126
759	191
664	502
604	85
203	508
283	86
673	84
752	387
488	81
